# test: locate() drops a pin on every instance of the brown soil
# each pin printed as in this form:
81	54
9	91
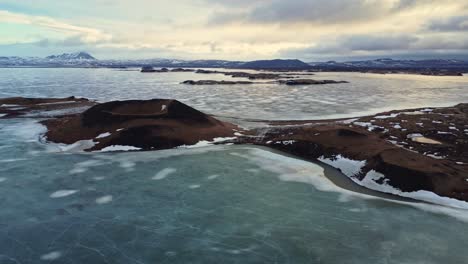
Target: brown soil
149	125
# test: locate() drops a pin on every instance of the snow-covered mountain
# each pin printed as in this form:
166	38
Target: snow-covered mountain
72	56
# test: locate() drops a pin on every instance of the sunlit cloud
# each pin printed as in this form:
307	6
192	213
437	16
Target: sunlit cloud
239	30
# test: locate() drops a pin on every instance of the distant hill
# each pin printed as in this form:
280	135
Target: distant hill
72	56
391	64
275	64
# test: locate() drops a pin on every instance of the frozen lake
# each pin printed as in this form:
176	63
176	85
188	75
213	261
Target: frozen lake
225	204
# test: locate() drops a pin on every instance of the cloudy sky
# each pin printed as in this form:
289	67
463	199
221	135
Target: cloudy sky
310	30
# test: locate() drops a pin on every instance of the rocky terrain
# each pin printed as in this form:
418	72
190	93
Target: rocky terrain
285	82
407	151
308	82
417	153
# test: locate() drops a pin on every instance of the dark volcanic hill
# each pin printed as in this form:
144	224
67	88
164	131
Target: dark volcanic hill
275	64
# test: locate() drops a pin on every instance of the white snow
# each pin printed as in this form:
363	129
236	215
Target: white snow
212	177
444	133
387	116
51	255
104	135
62	193
205	143
372	176
349	167
75	147
368	125
352	167
119	148
427	110
416	137
397	126
11	160
435	156
2	115
164	173
104	199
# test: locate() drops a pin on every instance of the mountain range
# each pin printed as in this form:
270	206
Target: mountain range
84	59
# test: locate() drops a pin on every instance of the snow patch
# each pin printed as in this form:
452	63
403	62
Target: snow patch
205	143
372	176
119	148
347	166
75	147
212	177
104	135
387	116
62	193
104	199
51	256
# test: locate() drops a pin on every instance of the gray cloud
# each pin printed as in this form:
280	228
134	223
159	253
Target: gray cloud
386	45
376	43
313	11
459	23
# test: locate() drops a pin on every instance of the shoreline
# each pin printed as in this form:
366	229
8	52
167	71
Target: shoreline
395	153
